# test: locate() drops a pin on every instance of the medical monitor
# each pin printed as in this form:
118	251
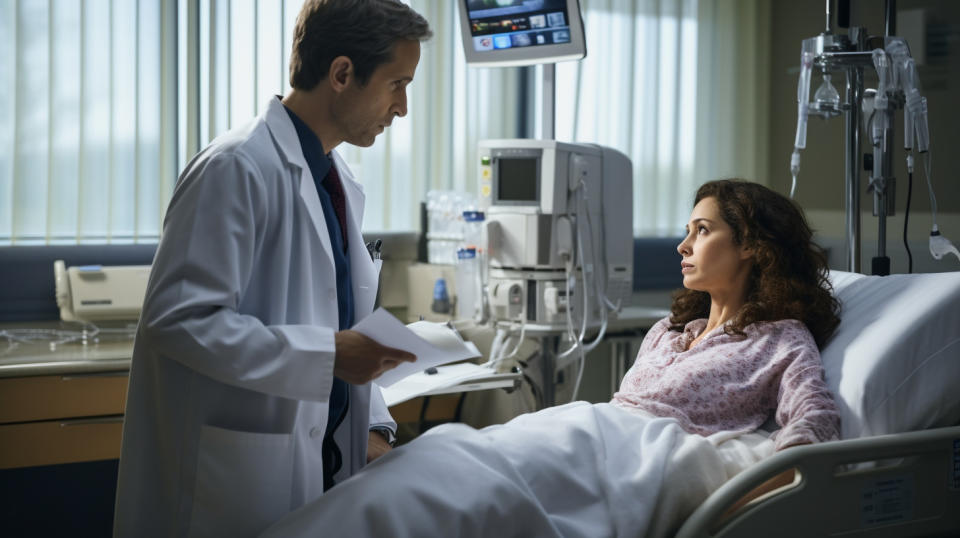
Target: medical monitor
518	180
500	33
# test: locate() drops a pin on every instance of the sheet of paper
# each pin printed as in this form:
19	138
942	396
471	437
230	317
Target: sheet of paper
385	329
421	382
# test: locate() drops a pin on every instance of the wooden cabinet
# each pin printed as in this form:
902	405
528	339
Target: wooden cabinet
46	420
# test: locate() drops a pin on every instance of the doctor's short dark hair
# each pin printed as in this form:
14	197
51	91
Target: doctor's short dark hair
789	275
363	30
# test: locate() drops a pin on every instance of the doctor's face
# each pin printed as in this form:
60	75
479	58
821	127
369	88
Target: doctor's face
363	112
712	262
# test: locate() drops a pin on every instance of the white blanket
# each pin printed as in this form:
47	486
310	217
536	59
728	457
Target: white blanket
574	470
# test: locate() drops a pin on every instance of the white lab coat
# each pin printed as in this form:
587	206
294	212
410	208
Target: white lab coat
233	361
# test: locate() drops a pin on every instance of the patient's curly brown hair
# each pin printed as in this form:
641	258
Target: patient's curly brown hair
789	275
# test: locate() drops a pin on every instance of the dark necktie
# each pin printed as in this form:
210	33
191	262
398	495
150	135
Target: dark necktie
335	187
340	393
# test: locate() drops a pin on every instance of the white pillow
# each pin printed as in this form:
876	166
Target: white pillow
893	364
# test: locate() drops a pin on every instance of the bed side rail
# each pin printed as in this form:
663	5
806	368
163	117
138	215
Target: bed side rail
891	485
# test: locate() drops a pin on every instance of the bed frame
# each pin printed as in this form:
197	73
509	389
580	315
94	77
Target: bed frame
886	486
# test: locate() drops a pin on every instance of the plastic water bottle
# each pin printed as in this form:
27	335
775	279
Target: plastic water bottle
441	300
472	228
467	283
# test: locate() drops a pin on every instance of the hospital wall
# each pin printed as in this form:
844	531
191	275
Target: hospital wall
820	186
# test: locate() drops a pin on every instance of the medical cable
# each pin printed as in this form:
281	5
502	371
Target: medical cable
588	275
577	344
803	104
579	340
940	246
906	212
55	337
927	163
535	390
571	334
570	279
516	348
582	347
601	293
501	341
495	346
584	270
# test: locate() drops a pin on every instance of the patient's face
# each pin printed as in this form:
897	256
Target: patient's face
711	261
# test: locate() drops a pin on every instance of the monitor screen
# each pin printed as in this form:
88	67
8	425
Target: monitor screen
517	180
521	32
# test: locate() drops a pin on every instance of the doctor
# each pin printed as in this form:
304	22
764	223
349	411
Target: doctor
249	396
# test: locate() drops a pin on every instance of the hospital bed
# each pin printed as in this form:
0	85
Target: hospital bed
894	368
595	470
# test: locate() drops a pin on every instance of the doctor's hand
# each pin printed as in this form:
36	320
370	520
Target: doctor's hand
360	359
377	445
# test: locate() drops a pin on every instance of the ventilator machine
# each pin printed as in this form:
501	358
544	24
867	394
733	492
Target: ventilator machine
559	232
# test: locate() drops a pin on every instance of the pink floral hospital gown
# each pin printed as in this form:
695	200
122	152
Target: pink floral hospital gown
731	383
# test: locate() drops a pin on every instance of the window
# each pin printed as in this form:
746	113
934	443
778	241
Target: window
84	104
102	103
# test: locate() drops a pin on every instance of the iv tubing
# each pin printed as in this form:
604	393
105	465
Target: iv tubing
927	164
906	212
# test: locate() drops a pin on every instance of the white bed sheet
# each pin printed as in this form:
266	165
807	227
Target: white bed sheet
894	362
573	470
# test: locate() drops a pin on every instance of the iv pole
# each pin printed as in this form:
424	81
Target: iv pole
549	344
849	54
897	88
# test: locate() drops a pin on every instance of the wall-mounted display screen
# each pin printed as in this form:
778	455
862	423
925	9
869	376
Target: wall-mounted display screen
521	32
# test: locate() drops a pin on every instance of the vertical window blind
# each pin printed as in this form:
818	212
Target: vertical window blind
84	105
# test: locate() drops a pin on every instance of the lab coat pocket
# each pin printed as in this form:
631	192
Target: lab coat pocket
243	482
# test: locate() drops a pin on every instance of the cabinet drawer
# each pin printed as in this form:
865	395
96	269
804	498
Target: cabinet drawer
25	399
60	441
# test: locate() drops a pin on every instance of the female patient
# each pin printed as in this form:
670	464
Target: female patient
740	347
743	336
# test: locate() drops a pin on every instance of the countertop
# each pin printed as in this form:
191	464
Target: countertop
58	348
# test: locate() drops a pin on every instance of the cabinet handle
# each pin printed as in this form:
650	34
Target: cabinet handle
93	374
116	419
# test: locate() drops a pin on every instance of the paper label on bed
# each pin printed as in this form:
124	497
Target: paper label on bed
955	483
887	501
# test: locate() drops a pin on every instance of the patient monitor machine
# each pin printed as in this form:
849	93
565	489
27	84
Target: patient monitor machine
559	232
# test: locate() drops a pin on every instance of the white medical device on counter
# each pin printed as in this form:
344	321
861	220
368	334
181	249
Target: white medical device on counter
559	221
100	293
